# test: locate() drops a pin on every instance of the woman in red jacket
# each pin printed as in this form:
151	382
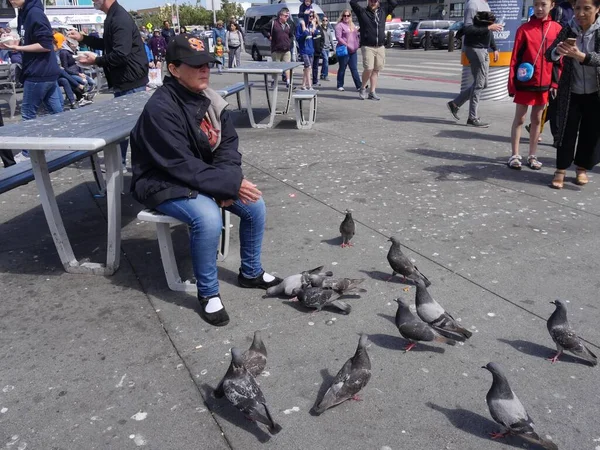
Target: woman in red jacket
531	87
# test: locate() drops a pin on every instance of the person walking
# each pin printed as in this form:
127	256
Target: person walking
531	87
327	47
304	36
167	32
40	69
234	43
318	49
578	95
124	59
219	32
280	31
219	54
158	45
347	36
478	40
371	21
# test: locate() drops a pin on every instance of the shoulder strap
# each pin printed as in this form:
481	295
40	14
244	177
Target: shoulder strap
543	40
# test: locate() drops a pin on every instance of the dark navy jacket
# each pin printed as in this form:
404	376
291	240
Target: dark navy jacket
34	27
172	158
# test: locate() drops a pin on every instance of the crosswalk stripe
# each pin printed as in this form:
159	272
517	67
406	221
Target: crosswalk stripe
426	66
393	69
452	64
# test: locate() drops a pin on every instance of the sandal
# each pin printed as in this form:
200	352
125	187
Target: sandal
514	162
559	179
533	162
581	177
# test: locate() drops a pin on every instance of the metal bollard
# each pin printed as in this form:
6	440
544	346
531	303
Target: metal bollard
451	41
426	42
407	40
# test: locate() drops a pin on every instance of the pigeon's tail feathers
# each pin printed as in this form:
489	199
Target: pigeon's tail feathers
275	290
445	340
585	353
329	273
452	334
535	439
466	333
274	427
316	270
329	400
342	306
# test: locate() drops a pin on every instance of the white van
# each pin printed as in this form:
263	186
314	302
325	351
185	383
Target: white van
259	16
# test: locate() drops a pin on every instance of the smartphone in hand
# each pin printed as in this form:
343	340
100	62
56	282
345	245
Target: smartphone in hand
571	41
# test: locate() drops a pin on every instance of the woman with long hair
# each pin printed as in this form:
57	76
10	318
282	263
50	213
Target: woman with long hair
578	96
347	35
234	43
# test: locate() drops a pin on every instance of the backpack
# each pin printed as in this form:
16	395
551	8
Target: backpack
562	15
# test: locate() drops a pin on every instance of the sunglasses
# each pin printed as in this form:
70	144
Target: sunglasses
346	15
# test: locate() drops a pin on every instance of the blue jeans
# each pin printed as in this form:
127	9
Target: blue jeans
351	60
203	216
66	85
124	144
37	92
85	80
325	67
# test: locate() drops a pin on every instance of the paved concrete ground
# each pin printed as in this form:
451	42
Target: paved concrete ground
121	362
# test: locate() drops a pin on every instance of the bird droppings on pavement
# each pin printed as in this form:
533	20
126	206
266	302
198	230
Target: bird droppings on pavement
291	410
140	416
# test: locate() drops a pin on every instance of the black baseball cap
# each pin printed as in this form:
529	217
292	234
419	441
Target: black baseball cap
189	50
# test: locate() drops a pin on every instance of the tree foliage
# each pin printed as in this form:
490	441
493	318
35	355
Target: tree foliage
190	14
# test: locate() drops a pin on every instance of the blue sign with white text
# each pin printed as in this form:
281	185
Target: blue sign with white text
508	14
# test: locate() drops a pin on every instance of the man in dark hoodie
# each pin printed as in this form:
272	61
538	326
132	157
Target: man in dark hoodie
40	68
124	60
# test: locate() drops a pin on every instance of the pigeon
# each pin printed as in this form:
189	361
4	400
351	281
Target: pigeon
434	314
565	338
316	297
402	265
506	409
341	286
351	378
255	358
242	390
347	229
414	330
255	361
294	281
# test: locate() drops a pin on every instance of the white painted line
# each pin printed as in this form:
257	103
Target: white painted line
421	72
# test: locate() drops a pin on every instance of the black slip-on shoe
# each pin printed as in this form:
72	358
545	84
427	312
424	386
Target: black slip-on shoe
477	123
218	318
258	282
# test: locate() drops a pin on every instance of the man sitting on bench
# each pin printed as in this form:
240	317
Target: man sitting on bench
186	164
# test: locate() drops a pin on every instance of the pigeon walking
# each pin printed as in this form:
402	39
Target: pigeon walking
347	229
506	409
317	298
341	286
351	378
294	282
242	390
402	265
255	358
434	314
414	330
255	361
565	338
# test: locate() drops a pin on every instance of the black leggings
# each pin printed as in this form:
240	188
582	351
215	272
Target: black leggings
581	129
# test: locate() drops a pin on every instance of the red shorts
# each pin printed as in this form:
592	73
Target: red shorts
531	98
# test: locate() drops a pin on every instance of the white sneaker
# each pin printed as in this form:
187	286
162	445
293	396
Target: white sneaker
341	89
20	157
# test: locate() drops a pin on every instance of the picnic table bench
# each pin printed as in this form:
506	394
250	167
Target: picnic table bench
236	89
99	127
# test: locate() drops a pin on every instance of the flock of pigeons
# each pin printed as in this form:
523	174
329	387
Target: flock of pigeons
317	289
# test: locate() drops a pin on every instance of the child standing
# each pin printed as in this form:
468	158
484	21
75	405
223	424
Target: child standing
531	88
304	36
220	54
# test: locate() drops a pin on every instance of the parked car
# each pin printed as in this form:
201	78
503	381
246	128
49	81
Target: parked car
258	16
440	40
397	30
418	29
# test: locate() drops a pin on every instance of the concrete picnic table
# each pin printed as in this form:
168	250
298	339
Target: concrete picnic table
266	69
98	127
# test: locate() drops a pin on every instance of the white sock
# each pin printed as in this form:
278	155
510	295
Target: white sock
267	277
214	305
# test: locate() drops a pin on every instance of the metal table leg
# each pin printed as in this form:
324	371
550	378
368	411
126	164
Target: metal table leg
289	94
249	101
114	186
